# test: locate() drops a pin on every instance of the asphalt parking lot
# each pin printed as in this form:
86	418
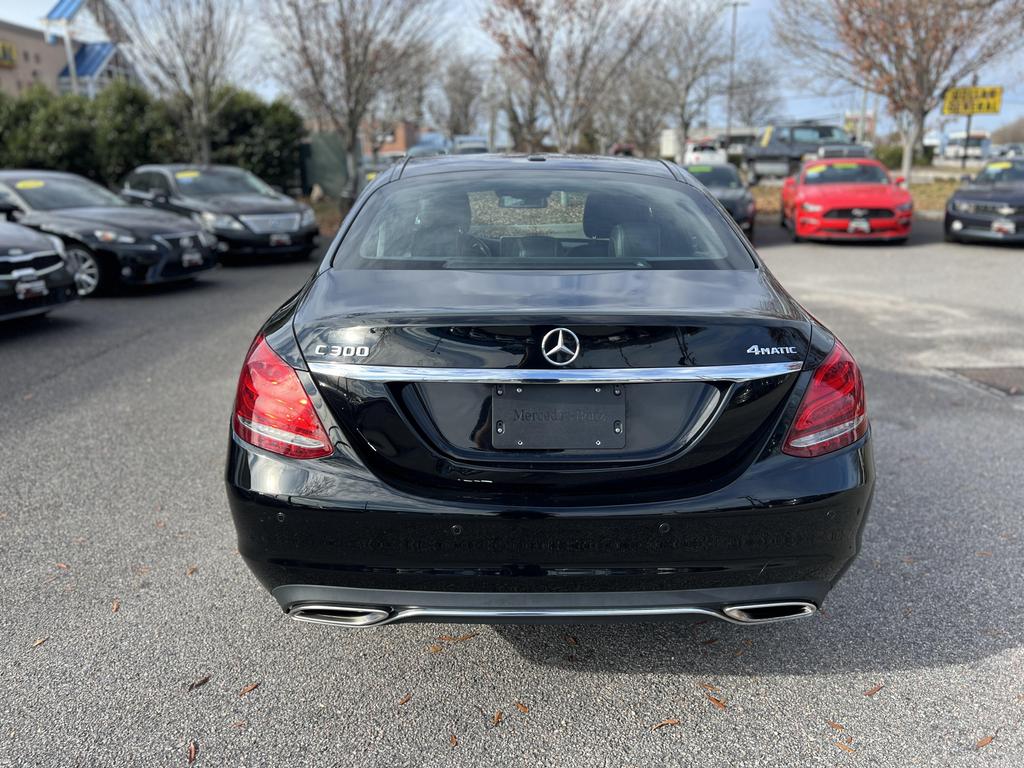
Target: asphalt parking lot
118	554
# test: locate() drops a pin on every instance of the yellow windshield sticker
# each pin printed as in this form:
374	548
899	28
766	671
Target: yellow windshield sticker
767	137
844	166
30	184
699	169
812	169
186	174
1002	165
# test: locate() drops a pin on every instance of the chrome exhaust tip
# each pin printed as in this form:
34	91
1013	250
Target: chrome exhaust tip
343	615
766	613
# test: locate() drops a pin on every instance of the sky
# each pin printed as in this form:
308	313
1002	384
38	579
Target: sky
754	23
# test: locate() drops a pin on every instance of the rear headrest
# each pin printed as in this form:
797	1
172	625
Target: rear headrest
451	210
636	241
604	210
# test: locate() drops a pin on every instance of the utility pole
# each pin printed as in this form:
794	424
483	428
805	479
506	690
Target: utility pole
967	135
735	4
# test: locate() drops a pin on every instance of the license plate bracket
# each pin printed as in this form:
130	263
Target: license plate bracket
859	225
280	238
569	417
30	289
1004	227
191	258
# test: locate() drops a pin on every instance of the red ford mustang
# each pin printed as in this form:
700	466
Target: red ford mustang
846	199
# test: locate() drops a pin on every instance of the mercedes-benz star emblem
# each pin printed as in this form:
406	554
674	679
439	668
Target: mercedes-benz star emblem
560	346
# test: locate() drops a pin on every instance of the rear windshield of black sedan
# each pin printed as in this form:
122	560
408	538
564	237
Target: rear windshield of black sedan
540	220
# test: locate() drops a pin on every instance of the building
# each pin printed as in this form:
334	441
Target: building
26	59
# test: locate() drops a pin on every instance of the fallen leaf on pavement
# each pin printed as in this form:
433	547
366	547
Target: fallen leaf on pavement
248	689
161	524
712	641
571	640
405	700
115	606
239	723
453	740
982	743
191	570
665	722
719	704
875	689
193	751
522	708
837	726
63	566
845	747
984	553
40	641
199	683
498	717
435	648
708	687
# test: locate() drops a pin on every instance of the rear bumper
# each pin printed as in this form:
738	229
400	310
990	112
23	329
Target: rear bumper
251	244
315	533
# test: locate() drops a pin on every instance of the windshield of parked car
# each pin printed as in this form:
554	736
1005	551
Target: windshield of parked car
210	182
820	134
716	175
845	173
48	193
1002	172
539	220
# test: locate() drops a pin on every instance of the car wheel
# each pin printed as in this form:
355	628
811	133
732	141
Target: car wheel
92	276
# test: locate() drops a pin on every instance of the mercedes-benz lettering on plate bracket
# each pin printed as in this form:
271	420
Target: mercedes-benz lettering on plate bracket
545	388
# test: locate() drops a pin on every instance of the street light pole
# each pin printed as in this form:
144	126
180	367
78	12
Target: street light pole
735	4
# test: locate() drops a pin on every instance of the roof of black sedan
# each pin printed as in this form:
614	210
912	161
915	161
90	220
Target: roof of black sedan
13	174
423	166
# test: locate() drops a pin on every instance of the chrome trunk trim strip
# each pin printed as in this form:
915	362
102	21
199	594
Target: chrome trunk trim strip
559	376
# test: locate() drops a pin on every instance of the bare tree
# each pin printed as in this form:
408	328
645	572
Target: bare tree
186	50
1012	132
340	58
638	110
908	51
456	105
691	36
756	96
520	100
571	51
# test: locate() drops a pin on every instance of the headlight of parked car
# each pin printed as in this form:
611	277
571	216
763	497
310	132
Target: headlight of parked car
112	236
963	206
908	206
214	221
810	207
308	218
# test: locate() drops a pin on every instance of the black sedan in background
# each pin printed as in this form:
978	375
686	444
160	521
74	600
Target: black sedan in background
724	182
546	388
990	206
108	242
246	214
34	276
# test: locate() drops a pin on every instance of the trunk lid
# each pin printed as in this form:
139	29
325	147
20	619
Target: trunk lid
694	365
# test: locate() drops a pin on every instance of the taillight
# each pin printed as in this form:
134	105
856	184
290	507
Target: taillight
833	412
273	411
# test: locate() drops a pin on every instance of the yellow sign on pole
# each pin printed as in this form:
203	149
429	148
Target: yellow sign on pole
973	100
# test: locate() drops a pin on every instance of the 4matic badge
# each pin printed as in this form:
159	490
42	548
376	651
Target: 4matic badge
756	350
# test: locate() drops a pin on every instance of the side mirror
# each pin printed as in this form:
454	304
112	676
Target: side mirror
789	181
899	180
8	209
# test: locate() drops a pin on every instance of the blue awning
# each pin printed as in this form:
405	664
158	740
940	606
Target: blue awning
65	10
90	59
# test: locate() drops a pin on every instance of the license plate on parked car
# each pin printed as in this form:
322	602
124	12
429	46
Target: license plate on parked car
191	258
30	289
280	239
1003	227
859	225
558	417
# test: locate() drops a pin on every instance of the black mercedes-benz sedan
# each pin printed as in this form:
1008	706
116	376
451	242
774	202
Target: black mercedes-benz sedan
546	388
34	275
248	216
990	206
108	242
724	182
